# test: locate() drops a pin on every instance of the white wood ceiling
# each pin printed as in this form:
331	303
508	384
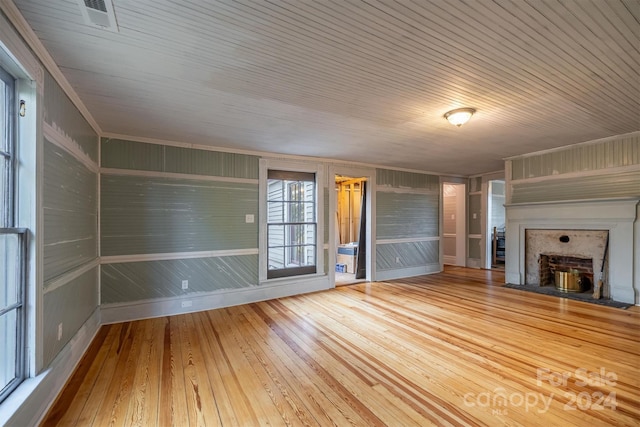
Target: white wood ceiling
365	81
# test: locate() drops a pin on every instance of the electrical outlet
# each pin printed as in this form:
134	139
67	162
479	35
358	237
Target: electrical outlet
248	218
59	331
397	260
187	304
185	284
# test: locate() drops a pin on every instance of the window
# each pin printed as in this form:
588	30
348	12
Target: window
291	223
12	250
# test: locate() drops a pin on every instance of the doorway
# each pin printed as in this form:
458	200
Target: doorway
453	224
496	224
350	229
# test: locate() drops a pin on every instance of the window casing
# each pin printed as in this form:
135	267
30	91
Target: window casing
13	249
292	227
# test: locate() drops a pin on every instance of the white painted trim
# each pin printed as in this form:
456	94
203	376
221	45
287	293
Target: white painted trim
565	147
580	174
67	277
61	140
123	312
29	403
15	56
41	52
408	272
119	259
156	174
298	166
449	259
370	175
406	240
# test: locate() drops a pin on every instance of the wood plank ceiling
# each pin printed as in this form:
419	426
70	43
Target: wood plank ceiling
366	81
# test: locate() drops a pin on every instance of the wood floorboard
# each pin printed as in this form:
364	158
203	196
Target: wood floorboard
454	348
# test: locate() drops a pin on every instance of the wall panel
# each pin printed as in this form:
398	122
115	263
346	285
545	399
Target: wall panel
69	211
135	281
406	215
620	184
394	256
63	115
145	215
123	154
70	305
592	156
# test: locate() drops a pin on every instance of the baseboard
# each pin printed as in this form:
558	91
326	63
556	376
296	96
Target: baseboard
136	310
407	272
29	403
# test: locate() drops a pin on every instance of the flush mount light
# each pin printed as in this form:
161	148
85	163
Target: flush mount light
459	116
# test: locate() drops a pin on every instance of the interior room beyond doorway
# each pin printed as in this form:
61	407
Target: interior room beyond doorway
350	233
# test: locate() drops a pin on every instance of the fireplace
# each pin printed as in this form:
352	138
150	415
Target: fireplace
539	233
548	251
549	264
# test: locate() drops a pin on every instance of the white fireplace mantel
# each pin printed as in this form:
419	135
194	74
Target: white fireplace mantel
621	217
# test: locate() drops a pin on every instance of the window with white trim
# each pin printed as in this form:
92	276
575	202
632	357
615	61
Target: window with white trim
292	226
12	248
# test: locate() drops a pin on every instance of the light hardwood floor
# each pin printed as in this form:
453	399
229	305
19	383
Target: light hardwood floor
454	348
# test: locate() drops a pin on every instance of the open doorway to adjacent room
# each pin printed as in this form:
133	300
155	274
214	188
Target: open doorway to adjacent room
453	224
496	224
350	231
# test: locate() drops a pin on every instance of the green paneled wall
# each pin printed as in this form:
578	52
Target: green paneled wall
122	154
621	184
400	179
406	215
410	254
70	212
71	305
475	208
475	248
134	281
143	215
613	153
62	114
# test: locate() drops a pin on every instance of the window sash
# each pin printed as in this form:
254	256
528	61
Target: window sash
16	355
291	223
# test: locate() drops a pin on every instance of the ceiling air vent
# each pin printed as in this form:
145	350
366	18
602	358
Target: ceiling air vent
99	13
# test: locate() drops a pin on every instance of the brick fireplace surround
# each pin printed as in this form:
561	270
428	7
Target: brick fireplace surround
620	217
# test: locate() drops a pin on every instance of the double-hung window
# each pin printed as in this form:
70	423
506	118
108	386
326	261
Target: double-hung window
291	223
12	249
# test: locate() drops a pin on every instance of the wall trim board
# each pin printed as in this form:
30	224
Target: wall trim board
154	174
407	272
119	259
123	312
67	277
581	174
33	398
41	52
56	137
564	147
407	240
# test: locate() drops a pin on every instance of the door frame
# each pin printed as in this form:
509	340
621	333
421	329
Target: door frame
356	172
461	221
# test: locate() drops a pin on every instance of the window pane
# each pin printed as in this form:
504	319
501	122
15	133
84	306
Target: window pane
5	192
9	269
8	349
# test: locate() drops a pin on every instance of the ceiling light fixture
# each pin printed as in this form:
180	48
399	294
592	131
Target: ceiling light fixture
459	116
